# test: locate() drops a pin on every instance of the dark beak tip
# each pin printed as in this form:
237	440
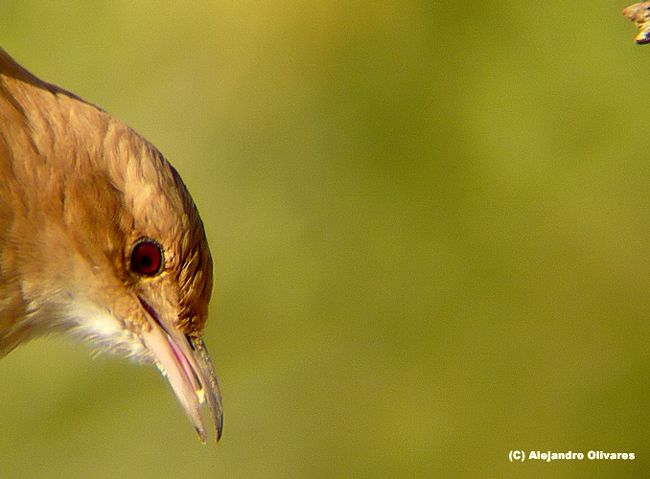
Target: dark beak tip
219	427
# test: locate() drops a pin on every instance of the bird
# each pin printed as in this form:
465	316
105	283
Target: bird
100	240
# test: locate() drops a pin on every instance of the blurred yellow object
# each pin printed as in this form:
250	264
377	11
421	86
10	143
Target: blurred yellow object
639	13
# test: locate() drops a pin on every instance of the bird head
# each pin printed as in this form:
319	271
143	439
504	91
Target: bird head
102	239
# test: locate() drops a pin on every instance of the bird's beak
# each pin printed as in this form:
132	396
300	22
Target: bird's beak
187	365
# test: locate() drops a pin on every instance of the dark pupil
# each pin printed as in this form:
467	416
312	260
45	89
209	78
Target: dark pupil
146	258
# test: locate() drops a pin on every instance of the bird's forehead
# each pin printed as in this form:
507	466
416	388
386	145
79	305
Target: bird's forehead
151	195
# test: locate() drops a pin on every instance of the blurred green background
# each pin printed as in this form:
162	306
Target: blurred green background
431	224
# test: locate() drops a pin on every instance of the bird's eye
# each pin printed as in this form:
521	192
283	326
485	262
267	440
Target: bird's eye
147	258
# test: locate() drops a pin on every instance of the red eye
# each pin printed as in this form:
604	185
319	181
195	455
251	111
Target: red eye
147	258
